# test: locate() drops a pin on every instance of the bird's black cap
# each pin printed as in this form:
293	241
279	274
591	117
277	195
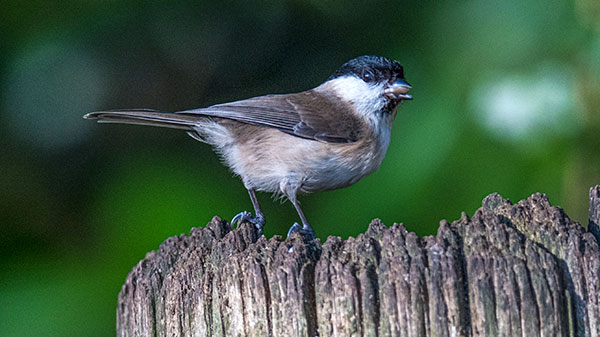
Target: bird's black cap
371	68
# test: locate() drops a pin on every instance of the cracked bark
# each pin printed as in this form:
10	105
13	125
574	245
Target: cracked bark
510	270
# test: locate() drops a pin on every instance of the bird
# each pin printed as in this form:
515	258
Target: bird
324	138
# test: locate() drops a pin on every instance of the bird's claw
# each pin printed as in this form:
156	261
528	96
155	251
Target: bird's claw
304	230
240	217
258	221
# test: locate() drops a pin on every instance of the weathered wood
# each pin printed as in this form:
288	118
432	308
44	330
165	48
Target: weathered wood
510	270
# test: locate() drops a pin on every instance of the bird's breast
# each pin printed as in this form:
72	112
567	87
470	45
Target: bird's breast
342	165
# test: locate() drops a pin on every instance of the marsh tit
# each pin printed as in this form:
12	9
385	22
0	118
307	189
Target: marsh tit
324	138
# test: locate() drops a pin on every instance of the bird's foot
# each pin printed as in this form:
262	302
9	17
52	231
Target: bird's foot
258	220
305	230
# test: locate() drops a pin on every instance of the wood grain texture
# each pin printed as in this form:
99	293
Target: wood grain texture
509	270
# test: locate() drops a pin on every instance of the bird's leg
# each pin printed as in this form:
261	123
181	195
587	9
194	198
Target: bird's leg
306	229
259	217
258	220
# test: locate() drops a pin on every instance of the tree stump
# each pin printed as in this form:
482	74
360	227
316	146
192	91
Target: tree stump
510	270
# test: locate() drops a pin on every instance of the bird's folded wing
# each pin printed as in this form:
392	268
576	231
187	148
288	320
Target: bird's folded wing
306	114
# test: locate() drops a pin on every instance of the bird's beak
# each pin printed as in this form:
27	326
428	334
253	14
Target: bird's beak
398	90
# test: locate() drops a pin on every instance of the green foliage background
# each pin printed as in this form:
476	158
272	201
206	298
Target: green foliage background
506	99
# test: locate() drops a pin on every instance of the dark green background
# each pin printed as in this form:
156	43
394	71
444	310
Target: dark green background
506	99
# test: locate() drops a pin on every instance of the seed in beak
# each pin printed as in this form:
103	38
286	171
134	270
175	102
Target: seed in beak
398	90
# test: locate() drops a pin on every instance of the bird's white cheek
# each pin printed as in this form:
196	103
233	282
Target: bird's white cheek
367	98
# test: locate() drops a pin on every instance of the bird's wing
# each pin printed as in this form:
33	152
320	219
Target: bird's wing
307	114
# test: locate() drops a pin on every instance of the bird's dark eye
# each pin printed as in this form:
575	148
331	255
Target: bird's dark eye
368	76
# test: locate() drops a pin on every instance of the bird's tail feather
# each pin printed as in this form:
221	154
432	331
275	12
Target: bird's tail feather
145	117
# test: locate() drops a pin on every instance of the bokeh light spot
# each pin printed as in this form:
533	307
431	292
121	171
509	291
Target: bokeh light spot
525	107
